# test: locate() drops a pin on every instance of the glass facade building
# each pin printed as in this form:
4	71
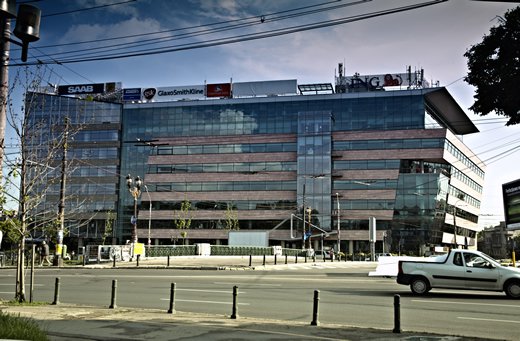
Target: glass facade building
392	155
295	166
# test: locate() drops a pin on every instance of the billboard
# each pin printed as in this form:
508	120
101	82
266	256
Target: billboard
218	90
132	94
173	93
511	196
265	88
81	89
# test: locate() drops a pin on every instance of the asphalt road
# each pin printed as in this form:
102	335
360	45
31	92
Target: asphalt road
346	297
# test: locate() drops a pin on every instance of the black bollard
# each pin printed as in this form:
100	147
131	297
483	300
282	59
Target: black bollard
84	259
114	294
234	314
296	259
114	262
275	259
285	258
263	261
56	292
172	299
138	257
250	260
168	263
315	313
305	257
397	314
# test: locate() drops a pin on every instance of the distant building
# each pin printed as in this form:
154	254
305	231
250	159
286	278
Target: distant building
263	153
496	241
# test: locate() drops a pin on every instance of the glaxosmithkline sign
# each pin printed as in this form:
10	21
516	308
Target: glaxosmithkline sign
80	89
174	93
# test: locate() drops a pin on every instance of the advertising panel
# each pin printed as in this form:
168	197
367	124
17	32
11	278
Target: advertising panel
265	88
132	94
173	93
511	195
80	89
218	90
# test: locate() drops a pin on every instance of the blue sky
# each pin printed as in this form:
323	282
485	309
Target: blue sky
433	38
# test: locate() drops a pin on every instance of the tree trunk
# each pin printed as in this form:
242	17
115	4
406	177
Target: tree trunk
20	282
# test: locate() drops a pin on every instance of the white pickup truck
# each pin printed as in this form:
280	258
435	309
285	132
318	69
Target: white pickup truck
460	269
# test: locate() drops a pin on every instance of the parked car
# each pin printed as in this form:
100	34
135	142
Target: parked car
321	254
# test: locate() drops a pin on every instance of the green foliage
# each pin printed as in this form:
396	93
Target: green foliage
183	220
12	230
109	223
231	219
20	328
494	69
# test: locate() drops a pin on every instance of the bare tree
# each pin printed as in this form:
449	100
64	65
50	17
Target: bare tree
34	170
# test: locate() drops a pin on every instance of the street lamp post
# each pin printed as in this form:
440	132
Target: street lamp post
134	187
309	211
149	218
339	224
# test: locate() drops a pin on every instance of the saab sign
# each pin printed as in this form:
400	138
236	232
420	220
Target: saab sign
81	89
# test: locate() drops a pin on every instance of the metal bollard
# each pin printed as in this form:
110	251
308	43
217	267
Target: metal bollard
397	314
234	314
315	313
84	259
275	259
285	258
263	261
168	263
114	262
305	258
296	259
138	257
250	260
114	294
172	299
56	292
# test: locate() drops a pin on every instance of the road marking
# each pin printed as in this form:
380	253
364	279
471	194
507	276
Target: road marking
215	291
487	320
11	284
468	303
258	284
196	301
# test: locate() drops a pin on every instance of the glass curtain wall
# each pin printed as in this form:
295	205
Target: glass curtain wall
314	166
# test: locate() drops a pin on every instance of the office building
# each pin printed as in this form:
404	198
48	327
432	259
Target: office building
290	159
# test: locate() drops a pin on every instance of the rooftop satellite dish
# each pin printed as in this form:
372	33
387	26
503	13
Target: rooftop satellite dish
27	27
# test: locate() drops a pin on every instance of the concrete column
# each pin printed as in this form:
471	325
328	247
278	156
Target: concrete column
351	246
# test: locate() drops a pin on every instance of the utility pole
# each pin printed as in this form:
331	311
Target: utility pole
5	26
61	205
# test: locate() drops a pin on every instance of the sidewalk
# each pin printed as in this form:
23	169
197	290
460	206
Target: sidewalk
70	322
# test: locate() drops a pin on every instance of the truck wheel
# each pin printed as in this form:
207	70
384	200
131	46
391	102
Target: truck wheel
512	289
420	286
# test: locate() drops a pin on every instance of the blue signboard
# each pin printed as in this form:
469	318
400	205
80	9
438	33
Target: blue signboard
132	94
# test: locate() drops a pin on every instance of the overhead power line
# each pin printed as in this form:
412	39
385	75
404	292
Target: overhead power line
235	39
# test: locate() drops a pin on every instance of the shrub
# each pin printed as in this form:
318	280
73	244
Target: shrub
20	328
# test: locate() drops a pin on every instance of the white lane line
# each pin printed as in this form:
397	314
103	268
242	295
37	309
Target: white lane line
257	284
468	303
212	302
487	320
213	291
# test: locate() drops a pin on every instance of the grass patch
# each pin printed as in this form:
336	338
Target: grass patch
26	303
16	327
